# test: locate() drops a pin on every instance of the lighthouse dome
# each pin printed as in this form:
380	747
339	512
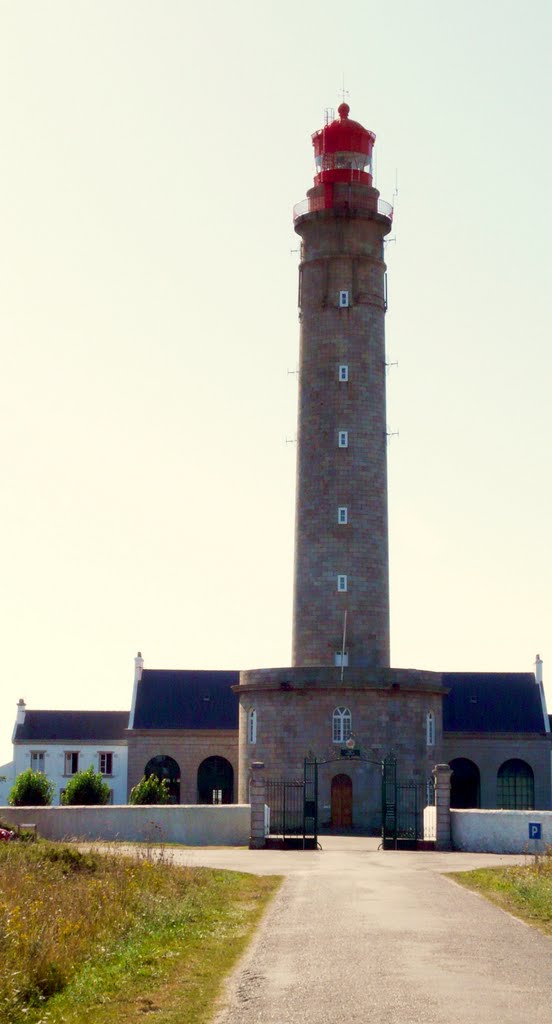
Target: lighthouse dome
343	145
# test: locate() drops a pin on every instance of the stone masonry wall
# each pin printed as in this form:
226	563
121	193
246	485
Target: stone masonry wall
490	751
294	718
341	253
188	748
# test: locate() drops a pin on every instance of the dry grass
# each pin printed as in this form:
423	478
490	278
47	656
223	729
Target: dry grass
111	934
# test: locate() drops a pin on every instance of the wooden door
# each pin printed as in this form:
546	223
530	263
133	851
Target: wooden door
342	802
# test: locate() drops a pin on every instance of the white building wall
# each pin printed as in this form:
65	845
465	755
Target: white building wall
54	763
6	772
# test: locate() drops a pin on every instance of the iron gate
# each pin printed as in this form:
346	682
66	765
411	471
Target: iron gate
293	812
407	807
408	810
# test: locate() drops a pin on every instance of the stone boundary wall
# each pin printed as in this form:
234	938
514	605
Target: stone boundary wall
192	825
499	831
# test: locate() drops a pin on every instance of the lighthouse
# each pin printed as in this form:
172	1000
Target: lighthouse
341	582
340	705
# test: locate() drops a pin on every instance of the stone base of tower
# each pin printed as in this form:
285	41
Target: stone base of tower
289	714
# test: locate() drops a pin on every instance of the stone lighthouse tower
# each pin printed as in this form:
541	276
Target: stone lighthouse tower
340	703
341	594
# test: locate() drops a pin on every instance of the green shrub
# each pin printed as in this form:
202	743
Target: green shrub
31	789
150	791
87	787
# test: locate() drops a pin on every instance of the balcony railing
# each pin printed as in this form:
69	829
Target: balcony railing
351	205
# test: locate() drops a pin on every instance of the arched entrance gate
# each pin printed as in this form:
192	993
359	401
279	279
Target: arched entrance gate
407	806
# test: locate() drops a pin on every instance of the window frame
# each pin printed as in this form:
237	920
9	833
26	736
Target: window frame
342	583
108	754
343	373
343	439
252	725
342	725
70	754
342	515
33	754
515	790
343	298
430	729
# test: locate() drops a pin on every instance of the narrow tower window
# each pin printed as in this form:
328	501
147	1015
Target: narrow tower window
343	439
252	726
343	300
341	657
341	583
430	729
341	725
342	515
344	372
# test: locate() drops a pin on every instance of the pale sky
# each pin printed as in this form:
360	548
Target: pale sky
151	156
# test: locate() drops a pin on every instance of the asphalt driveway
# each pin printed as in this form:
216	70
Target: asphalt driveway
357	934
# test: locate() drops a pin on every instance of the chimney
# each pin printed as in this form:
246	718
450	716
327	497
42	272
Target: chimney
21	707
538	680
138	666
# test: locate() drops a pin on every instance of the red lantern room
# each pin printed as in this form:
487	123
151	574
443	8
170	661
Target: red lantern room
343	151
343	179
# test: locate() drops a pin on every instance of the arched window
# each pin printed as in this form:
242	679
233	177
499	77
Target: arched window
215	781
341	725
252	726
464	783
165	767
430	729
515	786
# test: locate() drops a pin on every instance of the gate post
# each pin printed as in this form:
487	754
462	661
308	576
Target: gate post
443	837
257	790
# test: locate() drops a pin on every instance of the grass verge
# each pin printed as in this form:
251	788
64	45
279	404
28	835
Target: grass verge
97	938
524	890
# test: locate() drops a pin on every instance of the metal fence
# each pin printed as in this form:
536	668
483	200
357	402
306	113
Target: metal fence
357	202
408	812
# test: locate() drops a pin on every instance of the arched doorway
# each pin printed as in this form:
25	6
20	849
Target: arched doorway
342	801
515	786
465	784
165	767
215	781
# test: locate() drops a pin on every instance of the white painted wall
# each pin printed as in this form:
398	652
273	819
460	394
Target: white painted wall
193	825
54	763
499	831
7	771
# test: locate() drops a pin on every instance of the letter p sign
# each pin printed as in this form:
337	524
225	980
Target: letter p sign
535	828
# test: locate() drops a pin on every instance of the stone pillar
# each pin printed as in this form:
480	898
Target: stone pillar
257	791
442	774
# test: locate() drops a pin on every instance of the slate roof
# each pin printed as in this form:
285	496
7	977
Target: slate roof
492	702
49	726
168	699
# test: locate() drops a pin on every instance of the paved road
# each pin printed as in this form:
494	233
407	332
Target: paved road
358	935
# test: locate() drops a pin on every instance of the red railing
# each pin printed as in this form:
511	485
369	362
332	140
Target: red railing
355	203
